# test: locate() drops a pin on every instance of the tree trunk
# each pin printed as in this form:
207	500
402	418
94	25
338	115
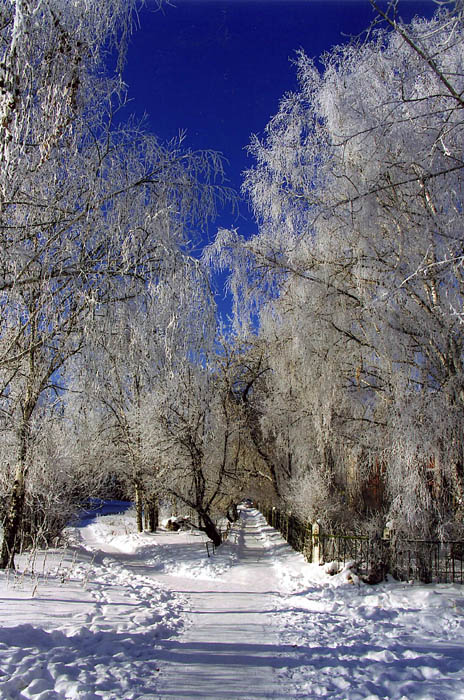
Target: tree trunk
174	506
13	519
14	516
146	513
139	506
152	514
210	529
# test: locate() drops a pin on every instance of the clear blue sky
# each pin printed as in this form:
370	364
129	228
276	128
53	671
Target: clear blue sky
218	68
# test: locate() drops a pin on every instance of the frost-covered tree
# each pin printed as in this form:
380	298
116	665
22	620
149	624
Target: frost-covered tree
197	437
90	213
49	54
138	347
355	277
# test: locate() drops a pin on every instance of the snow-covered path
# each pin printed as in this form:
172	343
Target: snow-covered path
231	649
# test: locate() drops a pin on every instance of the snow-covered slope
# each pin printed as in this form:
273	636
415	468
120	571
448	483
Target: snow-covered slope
123	616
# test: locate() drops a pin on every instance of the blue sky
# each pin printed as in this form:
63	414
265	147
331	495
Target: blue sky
218	68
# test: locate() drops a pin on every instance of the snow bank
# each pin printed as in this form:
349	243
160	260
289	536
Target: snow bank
357	642
77	624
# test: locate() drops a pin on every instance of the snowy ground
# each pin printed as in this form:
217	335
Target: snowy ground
122	616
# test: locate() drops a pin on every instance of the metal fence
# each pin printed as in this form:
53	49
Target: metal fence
367	553
406	559
427	560
298	534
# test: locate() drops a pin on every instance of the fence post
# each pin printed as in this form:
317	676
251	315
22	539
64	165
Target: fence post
307	543
316	544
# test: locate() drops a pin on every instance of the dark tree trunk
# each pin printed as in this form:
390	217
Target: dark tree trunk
174	506
210	529
139	506
146	512
12	524
232	513
153	514
14	515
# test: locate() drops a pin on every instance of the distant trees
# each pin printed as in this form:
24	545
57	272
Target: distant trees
196	439
355	277
138	349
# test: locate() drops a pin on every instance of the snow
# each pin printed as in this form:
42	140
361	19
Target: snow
120	615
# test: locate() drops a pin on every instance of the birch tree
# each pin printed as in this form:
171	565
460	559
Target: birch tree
197	438
47	57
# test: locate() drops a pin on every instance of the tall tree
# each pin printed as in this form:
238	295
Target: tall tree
91	214
197	437
356	270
